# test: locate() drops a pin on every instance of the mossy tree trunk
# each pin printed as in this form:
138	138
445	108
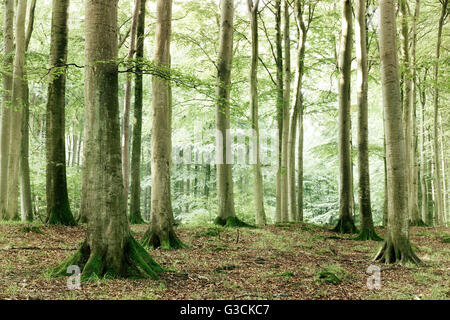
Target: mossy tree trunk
345	223
161	232
397	246
109	249
58	207
135	201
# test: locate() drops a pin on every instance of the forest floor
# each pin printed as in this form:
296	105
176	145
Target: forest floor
293	261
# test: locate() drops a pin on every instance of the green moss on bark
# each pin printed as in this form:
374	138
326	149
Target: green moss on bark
418	223
232	222
136	218
137	264
62	215
401	253
163	240
368	235
345	225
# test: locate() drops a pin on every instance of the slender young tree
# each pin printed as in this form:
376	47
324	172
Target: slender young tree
127	106
296	203
58	207
413	163
397	246
345	223
437	160
26	204
280	105
16	113
160	232
7	82
135	201
285	216
227	214
258	179
367	231
109	249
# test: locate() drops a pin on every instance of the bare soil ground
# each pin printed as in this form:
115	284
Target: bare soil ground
294	261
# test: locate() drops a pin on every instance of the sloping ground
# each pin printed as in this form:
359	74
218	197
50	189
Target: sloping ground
298	261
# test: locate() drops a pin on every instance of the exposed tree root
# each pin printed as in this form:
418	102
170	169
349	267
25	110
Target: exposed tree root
345	225
62	216
136	218
163	240
137	264
418	223
402	254
232	222
368	234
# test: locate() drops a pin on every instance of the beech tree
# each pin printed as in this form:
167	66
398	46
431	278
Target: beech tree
397	246
367	231
135	201
258	180
109	249
7	82
345	223
160	232
58	207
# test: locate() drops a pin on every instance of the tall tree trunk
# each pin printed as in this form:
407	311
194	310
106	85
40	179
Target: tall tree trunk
17	113
345	223
160	232
256	161
367	231
444	172
127	107
437	160
135	203
280	106
397	246
58	207
285	217
26	204
109	249
424	167
413	164
226	215
7	81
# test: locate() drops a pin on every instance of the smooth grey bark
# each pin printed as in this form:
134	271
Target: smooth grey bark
258	179
224	169
7	82
16	113
279	105
26	204
345	223
413	163
285	217
437	156
397	246
367	231
160	232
